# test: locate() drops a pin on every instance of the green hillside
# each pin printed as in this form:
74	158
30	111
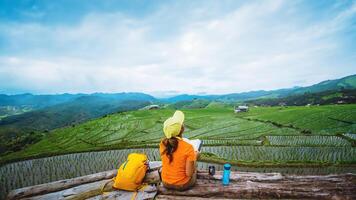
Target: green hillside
348	82
20	130
254	132
322	98
318	120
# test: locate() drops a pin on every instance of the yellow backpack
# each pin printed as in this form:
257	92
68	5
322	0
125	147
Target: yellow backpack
131	173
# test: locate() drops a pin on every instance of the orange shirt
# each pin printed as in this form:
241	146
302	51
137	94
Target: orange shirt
174	172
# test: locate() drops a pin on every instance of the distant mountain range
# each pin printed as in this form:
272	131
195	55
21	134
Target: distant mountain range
348	82
42	101
36	101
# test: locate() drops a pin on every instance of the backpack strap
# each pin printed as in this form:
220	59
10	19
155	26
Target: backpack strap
134	195
141	188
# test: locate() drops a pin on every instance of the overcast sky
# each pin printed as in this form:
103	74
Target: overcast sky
169	47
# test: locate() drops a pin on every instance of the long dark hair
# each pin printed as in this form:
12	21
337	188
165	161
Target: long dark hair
171	146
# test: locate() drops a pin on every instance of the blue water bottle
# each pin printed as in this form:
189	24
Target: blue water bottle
226	174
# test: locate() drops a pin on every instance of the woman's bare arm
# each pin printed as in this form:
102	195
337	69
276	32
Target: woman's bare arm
190	166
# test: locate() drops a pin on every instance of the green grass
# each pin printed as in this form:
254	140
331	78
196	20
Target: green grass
320	120
219	126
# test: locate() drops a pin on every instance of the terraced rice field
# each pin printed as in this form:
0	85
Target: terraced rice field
322	136
144	128
37	171
312	140
229	142
322	120
43	170
270	154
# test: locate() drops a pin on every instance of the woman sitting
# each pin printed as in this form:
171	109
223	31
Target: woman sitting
178	157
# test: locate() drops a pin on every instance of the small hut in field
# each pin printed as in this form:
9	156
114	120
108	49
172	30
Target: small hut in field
241	109
152	107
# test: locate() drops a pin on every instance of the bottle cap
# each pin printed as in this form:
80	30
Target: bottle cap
227	166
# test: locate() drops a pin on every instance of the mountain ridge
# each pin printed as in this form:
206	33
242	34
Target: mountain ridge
347	82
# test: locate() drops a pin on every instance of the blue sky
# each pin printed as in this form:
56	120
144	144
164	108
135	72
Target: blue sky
172	47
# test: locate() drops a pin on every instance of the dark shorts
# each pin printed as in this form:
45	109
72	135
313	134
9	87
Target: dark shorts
183	187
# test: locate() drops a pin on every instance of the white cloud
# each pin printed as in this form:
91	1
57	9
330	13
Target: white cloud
258	45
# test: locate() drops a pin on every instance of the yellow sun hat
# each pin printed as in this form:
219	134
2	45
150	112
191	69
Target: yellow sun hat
172	126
